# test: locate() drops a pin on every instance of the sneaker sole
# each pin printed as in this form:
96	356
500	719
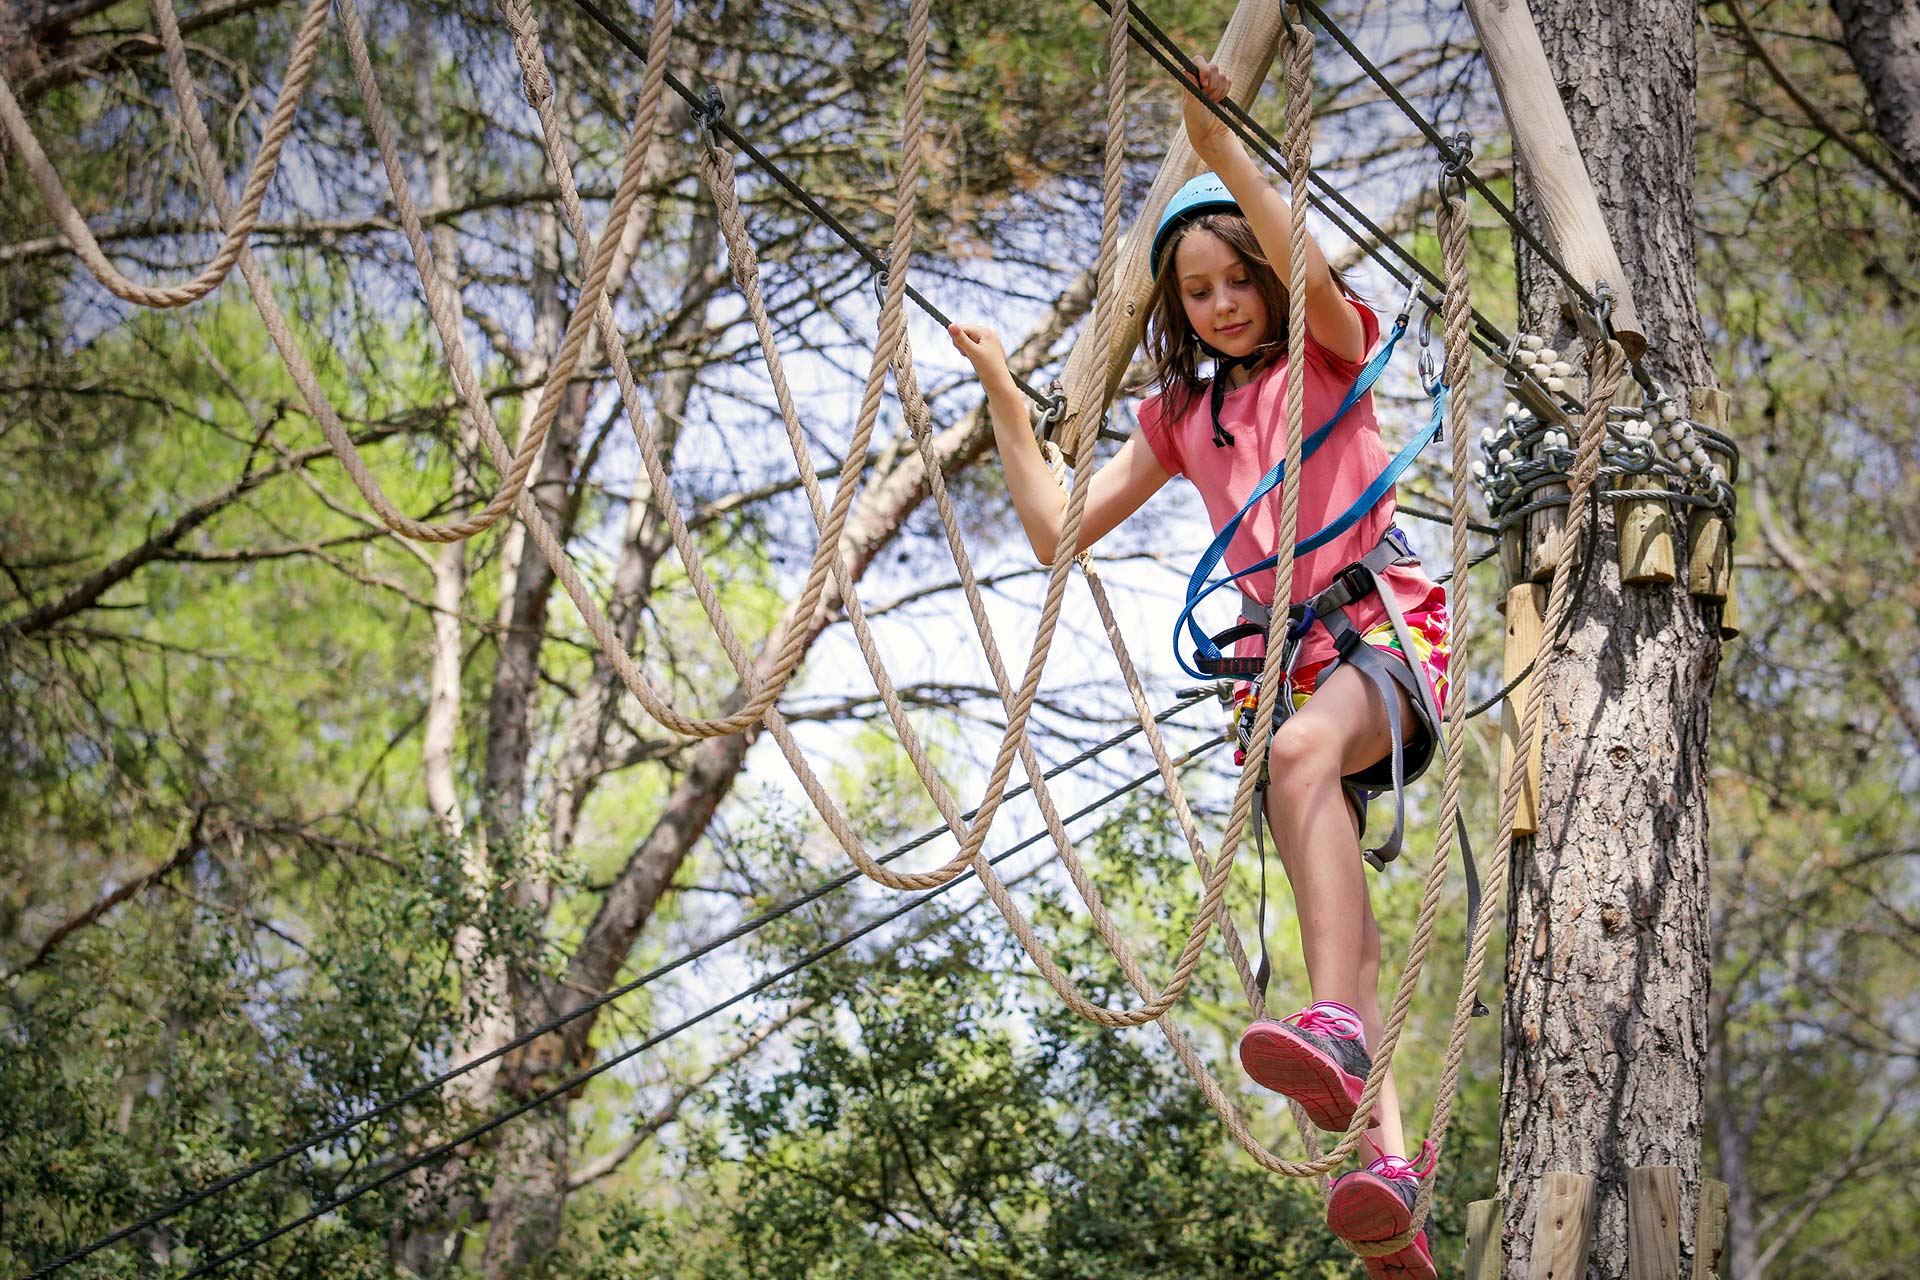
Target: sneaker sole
1278	1061
1408	1264
1364	1208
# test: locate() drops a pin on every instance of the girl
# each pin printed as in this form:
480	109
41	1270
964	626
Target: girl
1220	260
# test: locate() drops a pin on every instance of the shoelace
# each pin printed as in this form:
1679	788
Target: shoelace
1326	1021
1400	1169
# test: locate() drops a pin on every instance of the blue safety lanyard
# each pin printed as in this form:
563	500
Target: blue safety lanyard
1198	588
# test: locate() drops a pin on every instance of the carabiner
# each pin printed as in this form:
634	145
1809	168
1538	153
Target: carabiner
1406	308
1429	370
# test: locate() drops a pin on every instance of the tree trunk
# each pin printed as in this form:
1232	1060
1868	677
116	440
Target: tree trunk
1605	1030
533	1178
435	1203
1883	38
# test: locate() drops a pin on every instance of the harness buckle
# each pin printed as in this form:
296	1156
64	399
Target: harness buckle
1357	580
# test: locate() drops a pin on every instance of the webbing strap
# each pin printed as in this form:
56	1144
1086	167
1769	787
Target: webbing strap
1198	588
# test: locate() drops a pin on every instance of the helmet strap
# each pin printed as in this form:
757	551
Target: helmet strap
1223	365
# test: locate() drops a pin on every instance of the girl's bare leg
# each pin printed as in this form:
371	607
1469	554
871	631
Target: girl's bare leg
1341	730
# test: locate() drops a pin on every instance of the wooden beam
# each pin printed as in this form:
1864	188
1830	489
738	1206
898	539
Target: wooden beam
1644	525
1545	528
1710	557
1484	1219
1710	1238
1543	141
1653	1222
1092	378
1563	1232
1525	609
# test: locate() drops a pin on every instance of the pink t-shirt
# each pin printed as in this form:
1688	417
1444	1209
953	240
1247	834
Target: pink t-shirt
1349	460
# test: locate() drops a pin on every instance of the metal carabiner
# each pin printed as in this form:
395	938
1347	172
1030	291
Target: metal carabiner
1429	370
880	278
1406	308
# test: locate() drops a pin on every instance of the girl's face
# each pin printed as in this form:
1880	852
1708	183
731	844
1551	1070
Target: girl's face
1218	294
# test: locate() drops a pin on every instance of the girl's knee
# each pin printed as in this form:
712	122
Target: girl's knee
1304	753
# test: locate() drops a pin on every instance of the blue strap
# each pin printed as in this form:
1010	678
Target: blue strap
1362	384
1198	588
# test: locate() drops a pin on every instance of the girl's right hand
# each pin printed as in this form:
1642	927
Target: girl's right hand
1205	130
981	345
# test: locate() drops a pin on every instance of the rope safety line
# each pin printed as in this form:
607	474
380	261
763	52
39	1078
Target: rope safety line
1606	366
1453	228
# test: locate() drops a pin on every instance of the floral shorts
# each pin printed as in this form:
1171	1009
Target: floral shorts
1428	629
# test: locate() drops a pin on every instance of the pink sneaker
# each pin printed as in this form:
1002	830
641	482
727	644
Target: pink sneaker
1317	1057
1376	1203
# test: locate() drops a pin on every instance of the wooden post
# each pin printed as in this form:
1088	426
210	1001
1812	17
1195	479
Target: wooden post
1730	612
1526	607
1710	559
1645	525
1544	530
1091	378
1563	1233
1710	1238
1543	141
1653	1222
1484	1219
1513	559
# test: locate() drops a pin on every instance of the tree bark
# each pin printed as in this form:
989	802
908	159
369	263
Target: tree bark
1883	38
1605	1026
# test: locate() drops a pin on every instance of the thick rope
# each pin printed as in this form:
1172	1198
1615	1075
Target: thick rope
717	170
594	314
239	223
1457	312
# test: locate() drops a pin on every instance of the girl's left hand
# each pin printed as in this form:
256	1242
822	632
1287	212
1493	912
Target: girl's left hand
1204	129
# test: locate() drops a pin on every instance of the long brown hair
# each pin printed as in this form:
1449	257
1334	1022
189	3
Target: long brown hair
1170	342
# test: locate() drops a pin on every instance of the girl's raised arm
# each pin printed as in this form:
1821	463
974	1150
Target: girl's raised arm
1331	319
1128	479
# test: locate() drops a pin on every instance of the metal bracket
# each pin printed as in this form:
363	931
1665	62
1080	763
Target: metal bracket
707	113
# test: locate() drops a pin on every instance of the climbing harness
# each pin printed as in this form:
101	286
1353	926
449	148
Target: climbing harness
1328	608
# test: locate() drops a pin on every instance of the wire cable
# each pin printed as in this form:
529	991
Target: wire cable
1582	289
761	921
575	1081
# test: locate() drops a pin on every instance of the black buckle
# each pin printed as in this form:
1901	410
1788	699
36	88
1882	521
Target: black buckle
1357	579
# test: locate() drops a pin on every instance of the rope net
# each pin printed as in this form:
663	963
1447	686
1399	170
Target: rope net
591	332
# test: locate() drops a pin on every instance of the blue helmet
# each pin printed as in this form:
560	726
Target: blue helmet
1196	198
